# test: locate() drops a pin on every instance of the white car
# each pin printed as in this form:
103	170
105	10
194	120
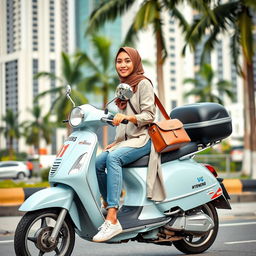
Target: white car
13	169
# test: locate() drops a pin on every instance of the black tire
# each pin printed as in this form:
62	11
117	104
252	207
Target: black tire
192	244
21	175
33	230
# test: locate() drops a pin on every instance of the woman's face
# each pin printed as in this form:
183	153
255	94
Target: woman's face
124	65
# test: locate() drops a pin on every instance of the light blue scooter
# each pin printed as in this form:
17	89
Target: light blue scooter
187	217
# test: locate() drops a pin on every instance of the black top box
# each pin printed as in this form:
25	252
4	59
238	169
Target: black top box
205	122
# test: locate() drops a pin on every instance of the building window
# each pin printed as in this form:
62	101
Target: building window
13	26
64	27
35	81
53	81
173	104
52	26
35	40
11	84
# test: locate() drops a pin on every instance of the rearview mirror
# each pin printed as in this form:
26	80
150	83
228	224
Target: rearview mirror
68	89
68	92
124	91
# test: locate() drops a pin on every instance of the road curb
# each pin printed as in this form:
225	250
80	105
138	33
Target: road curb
12	198
237	186
16	196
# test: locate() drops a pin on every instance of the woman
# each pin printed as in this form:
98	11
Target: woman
132	140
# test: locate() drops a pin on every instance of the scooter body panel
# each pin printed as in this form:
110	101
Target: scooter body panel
187	185
83	180
61	196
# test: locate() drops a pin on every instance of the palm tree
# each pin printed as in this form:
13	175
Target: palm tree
102	80
11	130
204	86
149	14
235	17
38	128
72	75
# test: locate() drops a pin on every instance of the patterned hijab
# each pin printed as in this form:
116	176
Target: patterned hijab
135	77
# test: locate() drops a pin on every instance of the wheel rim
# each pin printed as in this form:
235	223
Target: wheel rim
21	176
199	241
36	238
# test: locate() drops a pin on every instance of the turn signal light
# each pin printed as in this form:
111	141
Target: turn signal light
211	169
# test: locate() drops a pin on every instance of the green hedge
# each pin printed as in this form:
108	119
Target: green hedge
12	184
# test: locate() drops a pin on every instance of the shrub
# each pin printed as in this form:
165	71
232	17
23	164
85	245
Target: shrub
13	184
44	174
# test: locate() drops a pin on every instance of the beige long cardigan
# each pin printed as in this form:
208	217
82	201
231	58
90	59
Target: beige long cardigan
136	136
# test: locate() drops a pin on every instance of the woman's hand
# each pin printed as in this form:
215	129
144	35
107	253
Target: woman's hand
109	146
118	118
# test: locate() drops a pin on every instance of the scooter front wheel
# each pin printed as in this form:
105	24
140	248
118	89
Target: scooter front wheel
198	244
33	232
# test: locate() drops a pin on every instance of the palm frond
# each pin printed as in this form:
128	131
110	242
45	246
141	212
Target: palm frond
47	75
226	14
182	21
50	91
236	50
250	4
66	67
190	81
107	11
102	45
89	83
146	15
131	36
210	44
88	61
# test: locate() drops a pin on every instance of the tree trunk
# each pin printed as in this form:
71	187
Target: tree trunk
249	160
159	68
11	153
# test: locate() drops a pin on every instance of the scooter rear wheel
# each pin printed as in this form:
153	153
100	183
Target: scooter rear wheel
34	229
194	244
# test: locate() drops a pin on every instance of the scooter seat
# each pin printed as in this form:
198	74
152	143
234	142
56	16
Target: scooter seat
166	157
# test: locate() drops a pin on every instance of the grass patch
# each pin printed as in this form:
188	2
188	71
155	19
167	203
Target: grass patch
22	184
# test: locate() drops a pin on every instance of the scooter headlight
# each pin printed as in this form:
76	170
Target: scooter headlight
79	163
76	117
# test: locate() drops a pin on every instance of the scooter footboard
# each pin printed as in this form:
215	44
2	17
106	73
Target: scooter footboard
61	196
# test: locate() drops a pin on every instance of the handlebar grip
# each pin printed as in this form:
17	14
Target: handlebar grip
65	121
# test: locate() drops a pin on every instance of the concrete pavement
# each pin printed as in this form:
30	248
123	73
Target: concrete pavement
9	224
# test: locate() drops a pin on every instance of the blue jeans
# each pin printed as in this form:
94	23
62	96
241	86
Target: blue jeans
110	182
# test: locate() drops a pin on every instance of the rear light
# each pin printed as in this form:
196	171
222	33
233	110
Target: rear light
211	169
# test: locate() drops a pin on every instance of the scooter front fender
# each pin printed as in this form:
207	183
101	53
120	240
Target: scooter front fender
60	196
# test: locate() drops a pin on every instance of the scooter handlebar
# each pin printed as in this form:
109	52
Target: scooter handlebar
109	120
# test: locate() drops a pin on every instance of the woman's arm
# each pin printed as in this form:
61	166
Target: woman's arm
147	104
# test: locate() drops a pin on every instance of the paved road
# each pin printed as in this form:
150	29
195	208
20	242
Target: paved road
236	236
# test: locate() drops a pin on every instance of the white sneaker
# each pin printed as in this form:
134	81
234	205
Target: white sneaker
107	230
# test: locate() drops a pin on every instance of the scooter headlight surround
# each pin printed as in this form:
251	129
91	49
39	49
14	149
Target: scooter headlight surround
76	116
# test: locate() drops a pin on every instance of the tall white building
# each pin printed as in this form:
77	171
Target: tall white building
33	35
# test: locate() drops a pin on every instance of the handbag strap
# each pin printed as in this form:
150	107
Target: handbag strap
132	107
161	108
158	103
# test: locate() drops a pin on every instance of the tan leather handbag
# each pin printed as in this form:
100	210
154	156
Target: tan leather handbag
169	134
